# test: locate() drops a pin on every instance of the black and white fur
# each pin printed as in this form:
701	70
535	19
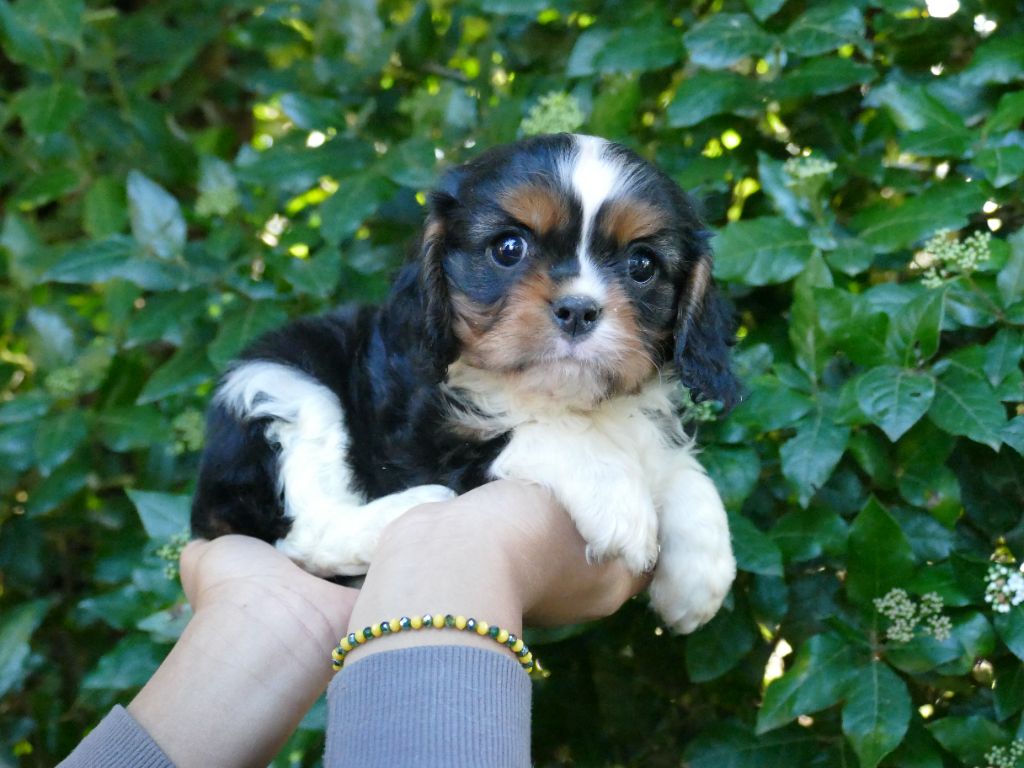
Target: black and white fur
560	296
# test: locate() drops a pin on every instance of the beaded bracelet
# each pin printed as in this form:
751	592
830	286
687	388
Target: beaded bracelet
434	621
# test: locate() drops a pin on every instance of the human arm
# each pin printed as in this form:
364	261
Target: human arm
499	553
250	662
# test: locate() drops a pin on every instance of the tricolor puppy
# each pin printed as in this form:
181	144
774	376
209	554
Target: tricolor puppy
560	300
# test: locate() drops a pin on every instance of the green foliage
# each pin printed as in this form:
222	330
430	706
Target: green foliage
178	176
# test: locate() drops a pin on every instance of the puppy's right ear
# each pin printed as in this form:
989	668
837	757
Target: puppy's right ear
433	282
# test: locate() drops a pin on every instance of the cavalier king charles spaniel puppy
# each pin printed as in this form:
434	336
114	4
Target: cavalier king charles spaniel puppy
558	303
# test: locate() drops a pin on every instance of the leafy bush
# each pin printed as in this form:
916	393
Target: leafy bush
180	175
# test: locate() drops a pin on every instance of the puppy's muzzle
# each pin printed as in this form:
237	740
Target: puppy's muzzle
576	316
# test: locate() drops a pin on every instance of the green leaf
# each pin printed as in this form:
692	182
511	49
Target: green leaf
879	556
728	745
639	49
821	76
157	222
723	39
999	60
876	714
969	738
58	20
1008	692
129	428
17	626
57	438
355	201
114	257
888	226
244	323
1013	434
823	28
809	457
1002	165
707	93
185	370
163	515
754	551
822	672
1003	355
762	9
914	332
106	211
43	188
719	645
1011	277
965	404
49	109
805	332
129	665
770	404
1008	115
1010	627
806	534
895	398
761	251
734	470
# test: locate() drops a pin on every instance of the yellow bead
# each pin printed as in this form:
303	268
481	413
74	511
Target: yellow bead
346	646
460	622
438	620
517	646
376	631
482	627
336	655
359	638
416	622
502	636
526	659
395	626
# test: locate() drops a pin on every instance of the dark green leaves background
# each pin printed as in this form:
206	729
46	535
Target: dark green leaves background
178	176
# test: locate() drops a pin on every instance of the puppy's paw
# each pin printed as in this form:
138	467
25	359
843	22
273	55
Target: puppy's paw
627	529
688	590
399	503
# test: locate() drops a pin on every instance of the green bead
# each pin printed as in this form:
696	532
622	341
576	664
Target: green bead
471	624
368	634
385	627
404	622
449	620
511	640
493	631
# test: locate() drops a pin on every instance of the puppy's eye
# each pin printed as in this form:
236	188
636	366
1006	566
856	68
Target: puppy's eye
641	265
508	250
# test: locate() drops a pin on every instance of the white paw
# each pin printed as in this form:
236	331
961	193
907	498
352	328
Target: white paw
628	529
688	591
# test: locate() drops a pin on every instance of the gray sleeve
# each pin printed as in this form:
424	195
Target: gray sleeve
117	742
434	706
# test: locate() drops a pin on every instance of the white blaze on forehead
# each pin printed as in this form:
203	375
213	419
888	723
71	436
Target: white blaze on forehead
594	178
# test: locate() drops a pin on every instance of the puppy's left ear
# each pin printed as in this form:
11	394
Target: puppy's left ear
433	282
705	331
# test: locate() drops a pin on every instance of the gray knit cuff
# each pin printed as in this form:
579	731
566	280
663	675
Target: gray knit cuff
441	706
117	741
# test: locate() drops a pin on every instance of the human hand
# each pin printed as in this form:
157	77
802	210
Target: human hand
501	552
252	660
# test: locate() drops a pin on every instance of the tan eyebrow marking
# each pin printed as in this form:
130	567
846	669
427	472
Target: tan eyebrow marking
536	207
625	221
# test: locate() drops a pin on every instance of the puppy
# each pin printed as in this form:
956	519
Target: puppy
560	300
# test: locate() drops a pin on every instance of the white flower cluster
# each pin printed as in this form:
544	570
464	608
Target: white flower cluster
189	429
905	616
1005	757
171	553
800	168
554	112
947	257
1004	588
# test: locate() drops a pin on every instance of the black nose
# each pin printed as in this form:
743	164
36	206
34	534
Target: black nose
576	315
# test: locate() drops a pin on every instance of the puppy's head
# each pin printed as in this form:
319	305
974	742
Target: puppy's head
576	268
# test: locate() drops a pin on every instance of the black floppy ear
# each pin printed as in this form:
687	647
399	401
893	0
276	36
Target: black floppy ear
433	282
704	334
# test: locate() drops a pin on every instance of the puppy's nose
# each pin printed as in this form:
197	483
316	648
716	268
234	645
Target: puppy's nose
576	315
